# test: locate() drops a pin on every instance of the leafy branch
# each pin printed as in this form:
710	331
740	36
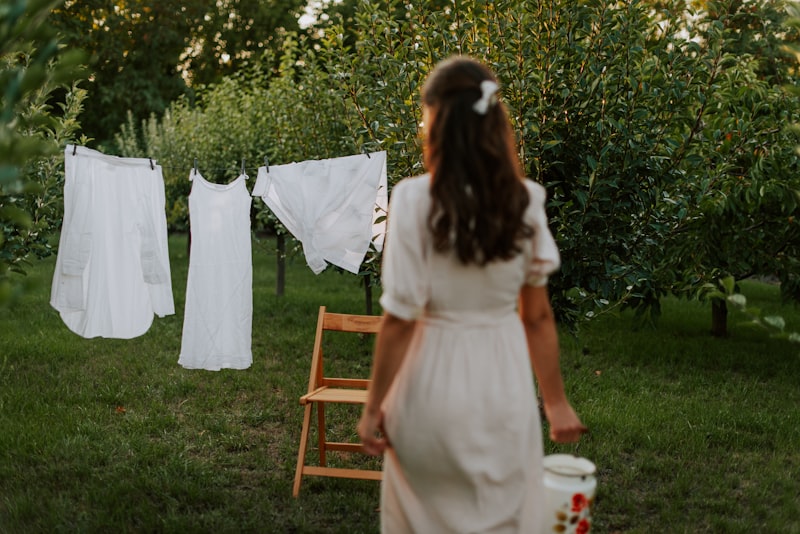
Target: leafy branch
774	324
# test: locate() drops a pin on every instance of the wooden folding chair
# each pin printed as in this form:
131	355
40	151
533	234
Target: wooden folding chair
323	390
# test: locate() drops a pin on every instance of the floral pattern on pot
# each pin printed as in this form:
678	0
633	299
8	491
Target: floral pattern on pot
574	517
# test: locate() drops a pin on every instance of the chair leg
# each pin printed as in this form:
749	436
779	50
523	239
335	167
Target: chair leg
321	432
301	454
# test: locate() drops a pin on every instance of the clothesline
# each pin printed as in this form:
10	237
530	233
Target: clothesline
243	169
196	168
113	274
335	207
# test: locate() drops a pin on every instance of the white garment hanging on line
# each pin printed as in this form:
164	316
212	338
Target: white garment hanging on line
112	271
217	322
334	207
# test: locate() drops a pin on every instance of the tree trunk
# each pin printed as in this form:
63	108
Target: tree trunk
280	281
368	294
719	318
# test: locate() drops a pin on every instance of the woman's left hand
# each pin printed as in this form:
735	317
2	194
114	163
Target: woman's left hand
370	431
565	426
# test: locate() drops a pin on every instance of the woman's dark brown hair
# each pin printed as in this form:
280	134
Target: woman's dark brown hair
478	194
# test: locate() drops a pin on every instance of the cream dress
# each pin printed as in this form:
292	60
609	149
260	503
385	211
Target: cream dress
462	418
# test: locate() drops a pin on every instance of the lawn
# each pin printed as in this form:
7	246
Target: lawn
689	433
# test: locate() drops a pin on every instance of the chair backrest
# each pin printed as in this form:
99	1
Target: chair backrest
338	322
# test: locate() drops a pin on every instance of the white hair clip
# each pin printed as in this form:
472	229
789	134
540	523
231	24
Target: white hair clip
488	97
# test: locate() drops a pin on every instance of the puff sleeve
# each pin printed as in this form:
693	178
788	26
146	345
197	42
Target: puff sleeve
545	258
405	273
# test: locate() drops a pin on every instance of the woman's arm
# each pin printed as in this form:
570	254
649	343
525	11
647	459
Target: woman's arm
390	351
540	329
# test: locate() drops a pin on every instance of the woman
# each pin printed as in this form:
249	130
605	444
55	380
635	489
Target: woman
451	380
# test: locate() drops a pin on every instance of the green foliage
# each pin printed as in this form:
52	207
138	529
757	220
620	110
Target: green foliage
735	212
662	138
34	126
728	291
135	50
607	119
233	32
737	216
218	134
145	54
757	29
620	119
249	116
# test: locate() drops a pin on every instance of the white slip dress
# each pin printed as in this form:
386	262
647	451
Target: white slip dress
218	315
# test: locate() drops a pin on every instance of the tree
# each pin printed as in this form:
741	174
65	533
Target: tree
236	33
649	135
145	54
135	51
32	67
735	218
757	28
621	119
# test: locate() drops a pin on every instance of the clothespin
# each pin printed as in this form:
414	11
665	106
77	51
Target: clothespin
266	163
243	168
152	166
364	150
194	169
74	149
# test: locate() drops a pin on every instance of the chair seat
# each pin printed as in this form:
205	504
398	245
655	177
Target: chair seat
341	395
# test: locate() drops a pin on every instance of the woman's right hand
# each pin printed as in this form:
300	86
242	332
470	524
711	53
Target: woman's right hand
370	431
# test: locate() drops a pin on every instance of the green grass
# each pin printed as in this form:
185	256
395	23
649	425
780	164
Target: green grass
690	433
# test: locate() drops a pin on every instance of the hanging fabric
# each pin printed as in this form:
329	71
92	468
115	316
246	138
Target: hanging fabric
112	271
217	322
334	207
